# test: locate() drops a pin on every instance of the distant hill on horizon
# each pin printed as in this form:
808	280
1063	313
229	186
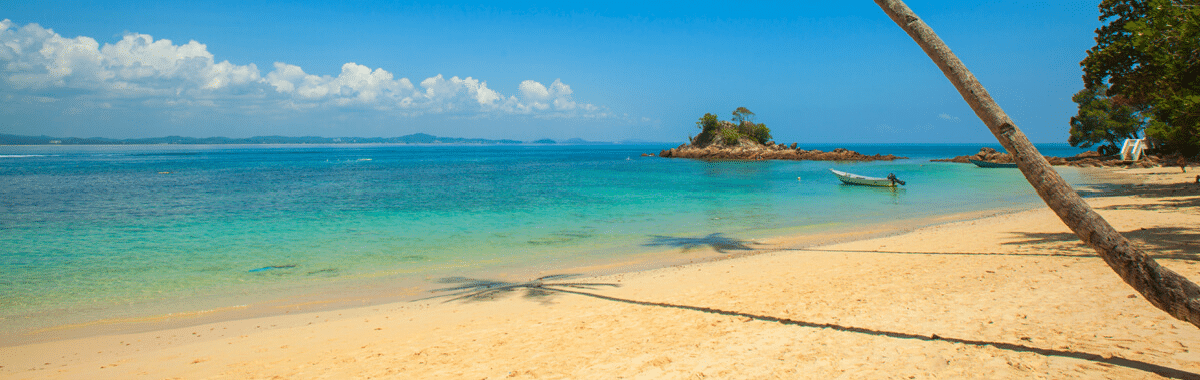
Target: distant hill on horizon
416	138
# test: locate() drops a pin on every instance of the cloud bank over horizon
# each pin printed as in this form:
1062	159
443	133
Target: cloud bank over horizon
38	65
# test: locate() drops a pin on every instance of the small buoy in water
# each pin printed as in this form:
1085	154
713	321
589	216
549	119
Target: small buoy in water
798	178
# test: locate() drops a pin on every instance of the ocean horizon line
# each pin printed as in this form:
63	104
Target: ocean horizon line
419	138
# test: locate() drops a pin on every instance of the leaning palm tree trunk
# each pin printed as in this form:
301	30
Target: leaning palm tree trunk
1164	288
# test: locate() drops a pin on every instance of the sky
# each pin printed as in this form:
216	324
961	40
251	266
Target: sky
813	72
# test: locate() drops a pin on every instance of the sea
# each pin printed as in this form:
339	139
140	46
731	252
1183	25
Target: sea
115	237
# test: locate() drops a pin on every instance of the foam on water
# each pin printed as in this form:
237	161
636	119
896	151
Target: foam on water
128	231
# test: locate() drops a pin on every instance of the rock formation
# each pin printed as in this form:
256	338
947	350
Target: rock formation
747	149
985	154
1085	159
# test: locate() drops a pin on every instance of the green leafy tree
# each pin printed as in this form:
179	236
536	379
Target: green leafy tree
743	118
1150	54
1103	120
746	128
761	133
757	132
713	130
742	115
708	125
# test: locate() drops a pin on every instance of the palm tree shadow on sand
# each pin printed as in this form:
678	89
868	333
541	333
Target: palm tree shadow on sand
477	290
716	241
1165	242
471	289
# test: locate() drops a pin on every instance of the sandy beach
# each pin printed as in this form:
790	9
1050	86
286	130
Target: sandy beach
1014	295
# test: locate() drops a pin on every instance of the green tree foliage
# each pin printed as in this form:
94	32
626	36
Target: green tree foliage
1150	54
757	132
742	115
730	136
729	133
1103	120
746	128
708	125
762	134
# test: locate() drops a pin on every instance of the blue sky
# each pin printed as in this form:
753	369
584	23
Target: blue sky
814	72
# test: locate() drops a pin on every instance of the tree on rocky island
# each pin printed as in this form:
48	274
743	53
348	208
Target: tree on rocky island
741	115
723	132
709	128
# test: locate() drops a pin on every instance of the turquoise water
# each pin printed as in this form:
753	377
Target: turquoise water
92	232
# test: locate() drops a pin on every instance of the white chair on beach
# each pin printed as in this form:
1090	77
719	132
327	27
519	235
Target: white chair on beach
1132	149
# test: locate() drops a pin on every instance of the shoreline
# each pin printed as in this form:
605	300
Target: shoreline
1007	295
398	288
389	289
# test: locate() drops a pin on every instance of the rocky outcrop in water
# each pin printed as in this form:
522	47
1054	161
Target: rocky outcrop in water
1085	159
1096	160
985	154
751	150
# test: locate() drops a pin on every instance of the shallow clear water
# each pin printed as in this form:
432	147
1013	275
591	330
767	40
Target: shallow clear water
89	232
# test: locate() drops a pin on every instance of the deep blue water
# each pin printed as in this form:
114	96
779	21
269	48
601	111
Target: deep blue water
95	232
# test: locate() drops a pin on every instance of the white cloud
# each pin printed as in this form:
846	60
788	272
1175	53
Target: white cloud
557	97
946	116
355	85
533	91
35	58
160	73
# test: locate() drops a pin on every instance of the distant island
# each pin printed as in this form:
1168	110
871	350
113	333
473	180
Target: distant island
742	139
416	138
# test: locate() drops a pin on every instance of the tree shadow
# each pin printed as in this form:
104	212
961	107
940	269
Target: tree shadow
1182	195
942	253
1158	242
1166	204
483	290
470	289
1044	238
716	241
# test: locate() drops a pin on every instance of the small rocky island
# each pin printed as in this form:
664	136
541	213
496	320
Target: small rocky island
742	139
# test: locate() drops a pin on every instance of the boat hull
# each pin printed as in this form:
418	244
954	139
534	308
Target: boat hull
985	164
855	179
